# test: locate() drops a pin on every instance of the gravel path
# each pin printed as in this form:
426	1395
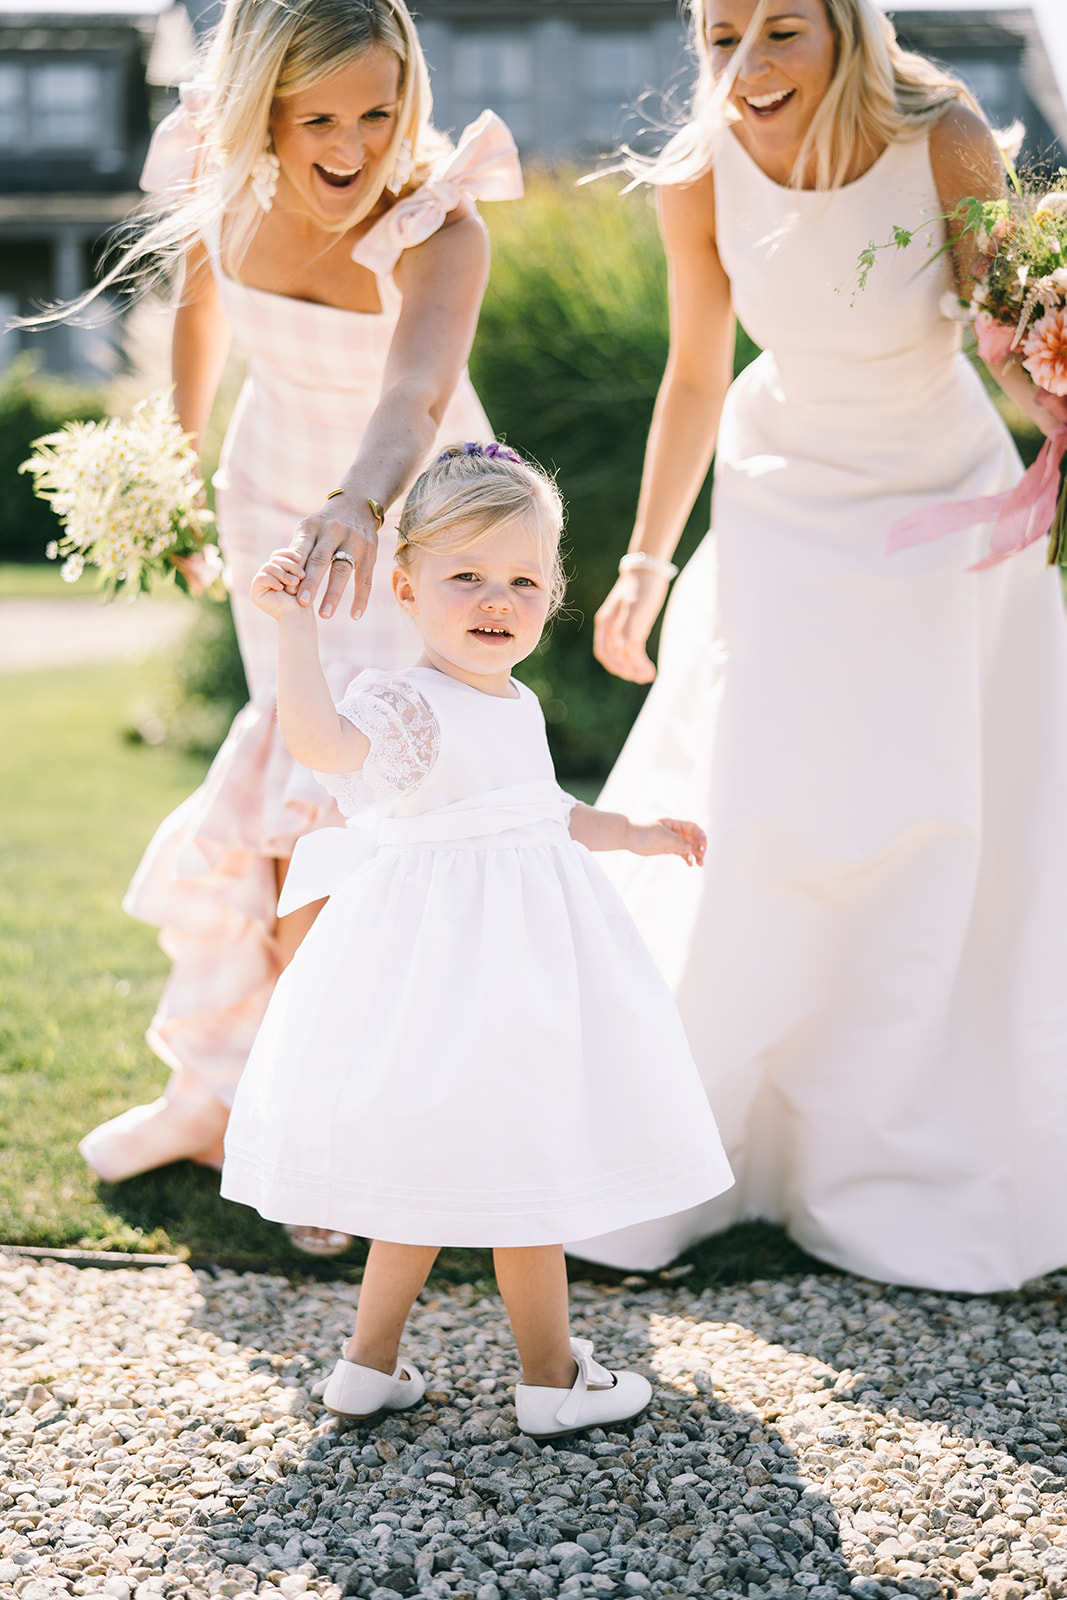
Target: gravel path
61	633
808	1438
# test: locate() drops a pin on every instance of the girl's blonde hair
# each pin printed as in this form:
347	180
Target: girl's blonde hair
469	491
262	51
879	94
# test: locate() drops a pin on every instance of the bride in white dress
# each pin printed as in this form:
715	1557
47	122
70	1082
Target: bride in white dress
870	968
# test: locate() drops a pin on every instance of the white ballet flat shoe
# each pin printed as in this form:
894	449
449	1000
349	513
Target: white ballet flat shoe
177	1127
596	1398
355	1392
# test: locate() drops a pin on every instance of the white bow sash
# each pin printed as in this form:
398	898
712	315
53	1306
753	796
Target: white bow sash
326	859
483	166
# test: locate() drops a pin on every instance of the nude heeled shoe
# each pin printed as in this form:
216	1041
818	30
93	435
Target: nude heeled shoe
185	1124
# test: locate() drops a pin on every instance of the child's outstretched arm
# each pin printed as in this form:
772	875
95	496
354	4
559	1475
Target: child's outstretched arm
314	731
609	830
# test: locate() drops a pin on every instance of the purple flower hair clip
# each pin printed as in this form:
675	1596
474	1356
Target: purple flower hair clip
492	452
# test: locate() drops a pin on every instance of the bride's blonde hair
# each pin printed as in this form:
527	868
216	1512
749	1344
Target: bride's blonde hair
263	51
879	94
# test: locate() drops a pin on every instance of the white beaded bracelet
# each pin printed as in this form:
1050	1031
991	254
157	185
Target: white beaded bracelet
641	558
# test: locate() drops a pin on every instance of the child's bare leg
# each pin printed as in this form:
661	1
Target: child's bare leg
533	1285
392	1278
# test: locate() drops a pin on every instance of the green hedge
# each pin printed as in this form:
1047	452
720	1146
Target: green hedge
570	352
30	405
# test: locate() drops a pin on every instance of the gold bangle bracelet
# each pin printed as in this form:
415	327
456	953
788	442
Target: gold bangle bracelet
375	508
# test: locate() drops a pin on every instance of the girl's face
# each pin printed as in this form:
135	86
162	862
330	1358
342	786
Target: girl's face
330	140
481	611
783	77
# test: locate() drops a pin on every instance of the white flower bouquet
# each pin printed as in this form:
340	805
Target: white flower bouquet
129	497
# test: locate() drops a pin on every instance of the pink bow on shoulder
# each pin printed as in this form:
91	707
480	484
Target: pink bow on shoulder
484	166
171	159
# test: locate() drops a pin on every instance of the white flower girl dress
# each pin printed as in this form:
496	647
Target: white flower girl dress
472	1046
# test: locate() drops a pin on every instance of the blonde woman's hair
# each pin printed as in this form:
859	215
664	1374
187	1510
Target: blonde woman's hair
262	51
469	491
879	94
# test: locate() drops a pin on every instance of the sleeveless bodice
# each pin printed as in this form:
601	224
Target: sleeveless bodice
861	407
313	379
792	257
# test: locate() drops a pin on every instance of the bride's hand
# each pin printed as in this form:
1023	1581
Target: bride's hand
623	623
345	524
1055	406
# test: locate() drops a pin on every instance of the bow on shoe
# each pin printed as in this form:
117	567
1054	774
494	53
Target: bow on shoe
483	166
591	1375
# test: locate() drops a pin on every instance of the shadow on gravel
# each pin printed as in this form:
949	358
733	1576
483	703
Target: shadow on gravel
696	1496
435	1505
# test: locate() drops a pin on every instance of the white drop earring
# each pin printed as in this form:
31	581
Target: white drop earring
403	167
264	178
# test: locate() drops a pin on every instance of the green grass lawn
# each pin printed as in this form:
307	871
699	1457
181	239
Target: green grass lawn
79	981
42	581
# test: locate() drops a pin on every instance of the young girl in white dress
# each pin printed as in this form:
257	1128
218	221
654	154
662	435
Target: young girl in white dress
472	1046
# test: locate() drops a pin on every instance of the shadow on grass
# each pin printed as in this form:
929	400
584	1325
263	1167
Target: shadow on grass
183	1201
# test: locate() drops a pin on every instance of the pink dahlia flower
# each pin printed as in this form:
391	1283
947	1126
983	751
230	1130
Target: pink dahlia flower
1045	349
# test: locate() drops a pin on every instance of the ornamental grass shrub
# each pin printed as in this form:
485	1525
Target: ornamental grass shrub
570	351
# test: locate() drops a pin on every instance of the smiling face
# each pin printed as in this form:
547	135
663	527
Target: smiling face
782	79
483	609
330	140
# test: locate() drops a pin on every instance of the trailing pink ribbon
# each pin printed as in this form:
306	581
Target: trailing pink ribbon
484	166
1020	516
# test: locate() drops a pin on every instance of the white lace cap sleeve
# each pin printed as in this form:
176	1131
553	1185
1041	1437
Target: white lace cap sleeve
404	739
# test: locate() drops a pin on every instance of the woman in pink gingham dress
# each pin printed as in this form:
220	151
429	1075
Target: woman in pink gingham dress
352	395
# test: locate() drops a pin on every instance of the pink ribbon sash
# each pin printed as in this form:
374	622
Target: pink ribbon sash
483	166
1020	516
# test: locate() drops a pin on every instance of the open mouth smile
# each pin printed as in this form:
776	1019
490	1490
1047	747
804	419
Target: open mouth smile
335	179
765	105
490	634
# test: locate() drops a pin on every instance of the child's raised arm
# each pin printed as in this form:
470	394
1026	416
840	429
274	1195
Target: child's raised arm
314	731
610	830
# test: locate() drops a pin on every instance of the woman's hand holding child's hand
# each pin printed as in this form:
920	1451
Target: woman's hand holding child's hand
275	584
668	837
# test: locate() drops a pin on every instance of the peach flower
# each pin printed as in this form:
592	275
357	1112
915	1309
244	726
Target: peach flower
1045	349
994	338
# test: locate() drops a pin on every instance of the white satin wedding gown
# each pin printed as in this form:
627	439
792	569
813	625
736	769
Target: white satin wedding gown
871	967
